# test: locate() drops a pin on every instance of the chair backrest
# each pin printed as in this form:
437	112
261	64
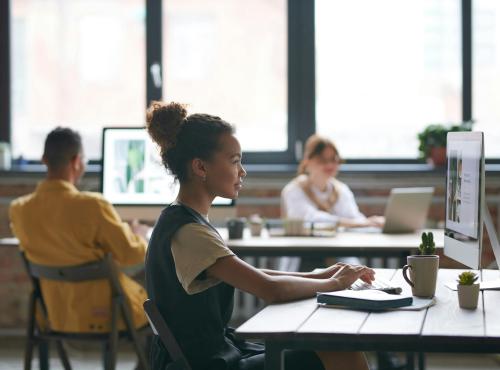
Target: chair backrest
161	329
100	269
88	271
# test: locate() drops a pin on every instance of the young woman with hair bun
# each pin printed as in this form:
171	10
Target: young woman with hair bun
191	273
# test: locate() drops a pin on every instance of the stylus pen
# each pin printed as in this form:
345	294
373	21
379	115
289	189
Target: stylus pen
395	290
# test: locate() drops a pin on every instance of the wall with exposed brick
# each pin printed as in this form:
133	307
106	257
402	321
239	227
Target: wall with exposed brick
260	194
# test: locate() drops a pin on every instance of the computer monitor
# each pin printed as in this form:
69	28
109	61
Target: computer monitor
134	179
465	181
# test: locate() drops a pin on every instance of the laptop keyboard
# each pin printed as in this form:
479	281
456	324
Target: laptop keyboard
377	284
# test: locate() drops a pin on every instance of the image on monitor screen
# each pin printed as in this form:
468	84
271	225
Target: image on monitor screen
464	197
463	187
132	171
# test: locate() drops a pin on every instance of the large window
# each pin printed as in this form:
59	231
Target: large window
384	70
486	72
369	74
77	63
229	58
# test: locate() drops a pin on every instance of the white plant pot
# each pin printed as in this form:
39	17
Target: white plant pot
468	295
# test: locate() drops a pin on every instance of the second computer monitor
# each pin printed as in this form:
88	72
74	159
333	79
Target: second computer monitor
464	197
133	173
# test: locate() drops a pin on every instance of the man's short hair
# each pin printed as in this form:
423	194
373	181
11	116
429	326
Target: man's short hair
61	146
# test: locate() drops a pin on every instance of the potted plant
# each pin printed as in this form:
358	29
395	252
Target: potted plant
423	268
468	290
432	141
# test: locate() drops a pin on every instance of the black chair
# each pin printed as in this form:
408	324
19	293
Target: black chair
160	328
40	335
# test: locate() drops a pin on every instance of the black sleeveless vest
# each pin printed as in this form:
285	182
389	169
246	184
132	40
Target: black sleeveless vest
198	321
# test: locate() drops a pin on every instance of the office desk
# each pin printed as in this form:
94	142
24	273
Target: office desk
342	244
441	328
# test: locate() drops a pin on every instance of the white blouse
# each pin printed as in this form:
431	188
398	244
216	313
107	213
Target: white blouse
296	204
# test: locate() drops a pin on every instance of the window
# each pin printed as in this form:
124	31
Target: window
78	63
229	58
386	69
486	73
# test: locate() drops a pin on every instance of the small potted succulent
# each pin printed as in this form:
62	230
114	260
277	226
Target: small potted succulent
423	268
427	247
468	290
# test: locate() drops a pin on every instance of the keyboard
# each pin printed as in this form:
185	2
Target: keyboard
377	284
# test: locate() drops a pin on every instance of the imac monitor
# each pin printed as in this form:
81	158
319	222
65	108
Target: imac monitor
465	181
133	177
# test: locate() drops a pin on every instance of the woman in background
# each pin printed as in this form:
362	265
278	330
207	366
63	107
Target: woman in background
191	273
315	195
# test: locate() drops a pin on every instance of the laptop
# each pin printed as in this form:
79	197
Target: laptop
405	212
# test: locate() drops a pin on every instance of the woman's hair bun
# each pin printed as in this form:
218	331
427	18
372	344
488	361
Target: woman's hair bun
164	121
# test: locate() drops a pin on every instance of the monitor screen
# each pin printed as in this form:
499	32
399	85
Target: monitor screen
132	171
464	197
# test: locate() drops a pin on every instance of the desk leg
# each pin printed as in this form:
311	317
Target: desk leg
421	361
402	259
410	360
274	356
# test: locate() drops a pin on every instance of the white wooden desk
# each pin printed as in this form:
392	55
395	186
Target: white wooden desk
342	244
442	328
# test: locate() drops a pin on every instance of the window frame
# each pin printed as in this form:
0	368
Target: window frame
301	108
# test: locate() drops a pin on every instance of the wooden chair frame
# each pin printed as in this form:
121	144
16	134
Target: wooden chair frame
160	328
102	269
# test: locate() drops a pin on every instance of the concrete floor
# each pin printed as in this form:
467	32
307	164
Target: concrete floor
88	357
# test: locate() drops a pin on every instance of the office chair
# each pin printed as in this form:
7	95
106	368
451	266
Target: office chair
160	328
41	335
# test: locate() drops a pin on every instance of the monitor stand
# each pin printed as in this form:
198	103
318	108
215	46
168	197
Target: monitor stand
492	235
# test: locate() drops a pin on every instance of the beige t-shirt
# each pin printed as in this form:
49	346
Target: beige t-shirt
195	247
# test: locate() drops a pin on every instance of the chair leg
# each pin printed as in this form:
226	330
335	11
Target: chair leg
106	355
139	349
28	354
112	343
63	355
43	355
30	333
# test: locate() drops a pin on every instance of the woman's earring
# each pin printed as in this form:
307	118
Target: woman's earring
204	178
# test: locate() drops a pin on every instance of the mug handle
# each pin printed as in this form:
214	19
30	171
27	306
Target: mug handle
405	268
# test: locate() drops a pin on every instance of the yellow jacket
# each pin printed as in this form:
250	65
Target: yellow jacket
58	225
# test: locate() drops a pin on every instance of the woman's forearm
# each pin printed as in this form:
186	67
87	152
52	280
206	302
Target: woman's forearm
288	273
287	288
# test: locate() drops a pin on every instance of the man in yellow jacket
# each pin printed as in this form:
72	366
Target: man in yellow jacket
58	225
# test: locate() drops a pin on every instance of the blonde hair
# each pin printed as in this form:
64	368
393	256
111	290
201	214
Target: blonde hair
314	146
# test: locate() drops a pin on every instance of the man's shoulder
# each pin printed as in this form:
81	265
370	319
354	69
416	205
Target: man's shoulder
90	199
21	201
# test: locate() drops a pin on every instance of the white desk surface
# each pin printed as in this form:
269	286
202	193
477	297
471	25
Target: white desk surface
444	327
342	241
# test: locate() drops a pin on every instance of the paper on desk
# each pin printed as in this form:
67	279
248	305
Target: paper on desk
483	285
417	305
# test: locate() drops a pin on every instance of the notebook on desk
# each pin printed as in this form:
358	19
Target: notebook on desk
405	212
363	299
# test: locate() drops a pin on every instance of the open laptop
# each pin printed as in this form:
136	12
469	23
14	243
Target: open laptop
405	212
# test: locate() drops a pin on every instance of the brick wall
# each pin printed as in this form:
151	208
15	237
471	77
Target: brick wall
260	195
